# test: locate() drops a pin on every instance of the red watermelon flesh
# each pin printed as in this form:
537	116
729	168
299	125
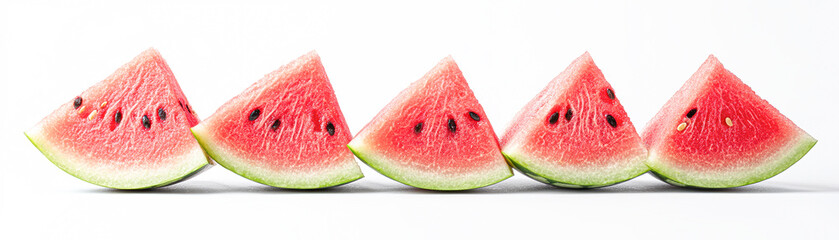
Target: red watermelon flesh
286	130
715	132
101	136
565	137
434	135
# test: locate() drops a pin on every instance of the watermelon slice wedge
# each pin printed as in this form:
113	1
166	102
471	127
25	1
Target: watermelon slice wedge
129	131
715	132
575	133
434	135
286	130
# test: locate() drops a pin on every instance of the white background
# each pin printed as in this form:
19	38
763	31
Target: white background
508	51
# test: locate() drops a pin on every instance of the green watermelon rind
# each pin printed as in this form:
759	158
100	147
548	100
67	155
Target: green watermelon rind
735	179
477	180
336	176
554	181
192	168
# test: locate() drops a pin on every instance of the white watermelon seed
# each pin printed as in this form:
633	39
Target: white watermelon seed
92	114
682	126
105	103
81	110
729	122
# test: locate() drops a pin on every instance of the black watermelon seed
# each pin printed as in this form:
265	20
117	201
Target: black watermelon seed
187	109
610	93
275	125
182	104
77	102
118	117
161	114
691	113
146	121
254	115
418	128
452	125
474	116
330	128
568	114
611	120
554	117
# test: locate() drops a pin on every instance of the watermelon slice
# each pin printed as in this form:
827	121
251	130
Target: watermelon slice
575	133
286	130
715	132
129	131
434	135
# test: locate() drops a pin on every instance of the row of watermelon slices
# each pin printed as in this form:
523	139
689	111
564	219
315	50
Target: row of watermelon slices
136	130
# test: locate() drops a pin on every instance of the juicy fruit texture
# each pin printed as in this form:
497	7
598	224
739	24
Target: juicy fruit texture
575	133
715	132
286	130
129	131
434	135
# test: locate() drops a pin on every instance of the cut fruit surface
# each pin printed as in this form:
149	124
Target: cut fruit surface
575	133
715	132
129	131
286	130
434	135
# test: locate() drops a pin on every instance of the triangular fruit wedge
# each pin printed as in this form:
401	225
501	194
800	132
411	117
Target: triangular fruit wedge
575	133
434	135
129	131
715	132
286	130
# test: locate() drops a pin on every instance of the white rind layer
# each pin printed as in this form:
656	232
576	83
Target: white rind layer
347	171
430	180
617	171
777	162
122	177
